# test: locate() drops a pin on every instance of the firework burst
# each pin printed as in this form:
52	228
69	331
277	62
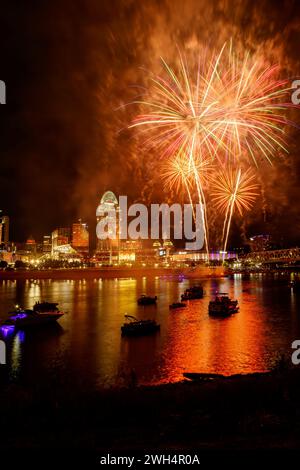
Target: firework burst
228	109
230	105
178	173
233	189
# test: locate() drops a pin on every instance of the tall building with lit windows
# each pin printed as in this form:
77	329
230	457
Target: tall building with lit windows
108	250
60	237
47	244
80	237
31	246
4	229
113	249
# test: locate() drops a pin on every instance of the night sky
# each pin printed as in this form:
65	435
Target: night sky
71	66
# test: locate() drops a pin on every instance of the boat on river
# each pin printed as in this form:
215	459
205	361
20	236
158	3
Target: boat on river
192	293
42	313
146	300
222	306
135	327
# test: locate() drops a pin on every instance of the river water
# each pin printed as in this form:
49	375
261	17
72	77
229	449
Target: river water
87	344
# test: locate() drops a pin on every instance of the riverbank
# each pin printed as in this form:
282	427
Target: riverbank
111	273
243	412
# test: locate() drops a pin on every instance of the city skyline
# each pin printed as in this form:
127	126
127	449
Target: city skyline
65	141
149	232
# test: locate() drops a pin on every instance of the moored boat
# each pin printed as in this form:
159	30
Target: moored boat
135	327
41	313
146	300
192	293
222	306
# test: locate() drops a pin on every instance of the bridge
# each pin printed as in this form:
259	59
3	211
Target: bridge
288	255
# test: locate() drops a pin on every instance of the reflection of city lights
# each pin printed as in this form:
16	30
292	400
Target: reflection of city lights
16	351
7	330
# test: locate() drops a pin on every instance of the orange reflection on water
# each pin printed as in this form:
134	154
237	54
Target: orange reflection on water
199	343
89	345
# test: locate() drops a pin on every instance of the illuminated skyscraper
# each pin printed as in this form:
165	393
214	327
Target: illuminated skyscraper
80	237
108	249
60	236
31	245
113	249
4	229
47	244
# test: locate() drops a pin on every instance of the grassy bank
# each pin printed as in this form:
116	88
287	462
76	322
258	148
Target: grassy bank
260	411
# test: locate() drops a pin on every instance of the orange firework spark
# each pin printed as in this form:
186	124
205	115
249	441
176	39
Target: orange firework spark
232	189
231	105
234	185
177	172
223	109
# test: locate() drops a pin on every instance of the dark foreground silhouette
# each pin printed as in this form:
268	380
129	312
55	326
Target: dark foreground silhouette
259	411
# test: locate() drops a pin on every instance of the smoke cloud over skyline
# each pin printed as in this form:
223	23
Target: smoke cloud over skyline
71	68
